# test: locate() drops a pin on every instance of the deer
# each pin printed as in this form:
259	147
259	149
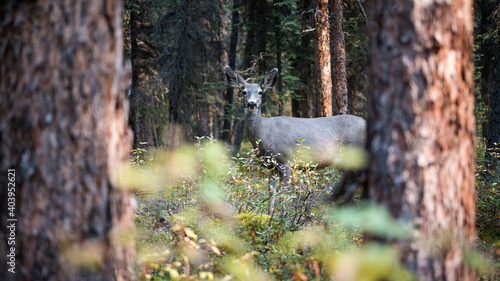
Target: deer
280	136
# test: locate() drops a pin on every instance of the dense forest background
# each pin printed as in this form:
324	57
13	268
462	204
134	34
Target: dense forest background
178	50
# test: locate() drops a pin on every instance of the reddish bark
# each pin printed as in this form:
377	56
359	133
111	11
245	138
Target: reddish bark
63	130
339	77
421	129
322	62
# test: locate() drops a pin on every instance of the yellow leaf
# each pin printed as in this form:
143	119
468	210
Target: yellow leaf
190	233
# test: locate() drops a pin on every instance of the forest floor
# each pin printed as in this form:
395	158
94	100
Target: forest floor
214	224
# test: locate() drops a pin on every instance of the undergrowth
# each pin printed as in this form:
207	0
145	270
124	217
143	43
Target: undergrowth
208	219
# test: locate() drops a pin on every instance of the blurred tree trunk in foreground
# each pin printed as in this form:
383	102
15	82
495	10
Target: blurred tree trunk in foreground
63	130
421	129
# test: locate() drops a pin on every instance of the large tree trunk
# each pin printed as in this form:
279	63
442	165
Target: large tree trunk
421	129
62	131
339	75
322	63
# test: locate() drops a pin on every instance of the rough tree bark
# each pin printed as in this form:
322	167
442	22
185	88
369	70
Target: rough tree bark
63	129
421	129
322	62
339	75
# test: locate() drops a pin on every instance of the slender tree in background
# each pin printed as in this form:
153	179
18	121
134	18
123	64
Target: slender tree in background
142	52
493	141
185	57
62	131
421	129
339	73
322	61
235	19
486	51
304	99
355	40
278	41
490	82
254	53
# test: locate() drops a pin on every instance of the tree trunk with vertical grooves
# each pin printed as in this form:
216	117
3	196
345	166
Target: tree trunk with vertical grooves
63	130
322	62
339	77
421	129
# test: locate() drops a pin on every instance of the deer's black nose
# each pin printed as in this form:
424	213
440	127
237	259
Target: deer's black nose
251	105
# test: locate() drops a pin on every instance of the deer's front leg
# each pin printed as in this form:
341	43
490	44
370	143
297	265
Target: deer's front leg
274	179
286	174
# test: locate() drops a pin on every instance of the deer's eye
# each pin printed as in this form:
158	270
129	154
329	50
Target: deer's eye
244	92
260	93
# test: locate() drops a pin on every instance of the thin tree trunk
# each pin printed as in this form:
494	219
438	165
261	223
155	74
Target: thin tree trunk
62	132
250	38
487	47
322	61
494	123
339	77
351	95
277	38
238	136
203	117
226	128
133	119
247	62
304	103
421	129
262	26
178	88
140	103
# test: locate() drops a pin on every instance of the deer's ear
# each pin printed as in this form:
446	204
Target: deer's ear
233	78
270	79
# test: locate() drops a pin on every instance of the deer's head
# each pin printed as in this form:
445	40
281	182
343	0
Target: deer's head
252	92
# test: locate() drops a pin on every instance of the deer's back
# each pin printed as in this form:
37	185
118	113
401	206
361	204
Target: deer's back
322	136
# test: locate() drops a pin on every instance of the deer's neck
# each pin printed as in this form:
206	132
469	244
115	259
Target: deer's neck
253	124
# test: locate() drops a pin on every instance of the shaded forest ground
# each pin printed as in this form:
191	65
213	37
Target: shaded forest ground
214	222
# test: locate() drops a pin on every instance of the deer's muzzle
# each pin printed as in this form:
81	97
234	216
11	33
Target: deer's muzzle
251	105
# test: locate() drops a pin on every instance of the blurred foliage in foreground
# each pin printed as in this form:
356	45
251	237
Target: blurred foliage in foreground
202	215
